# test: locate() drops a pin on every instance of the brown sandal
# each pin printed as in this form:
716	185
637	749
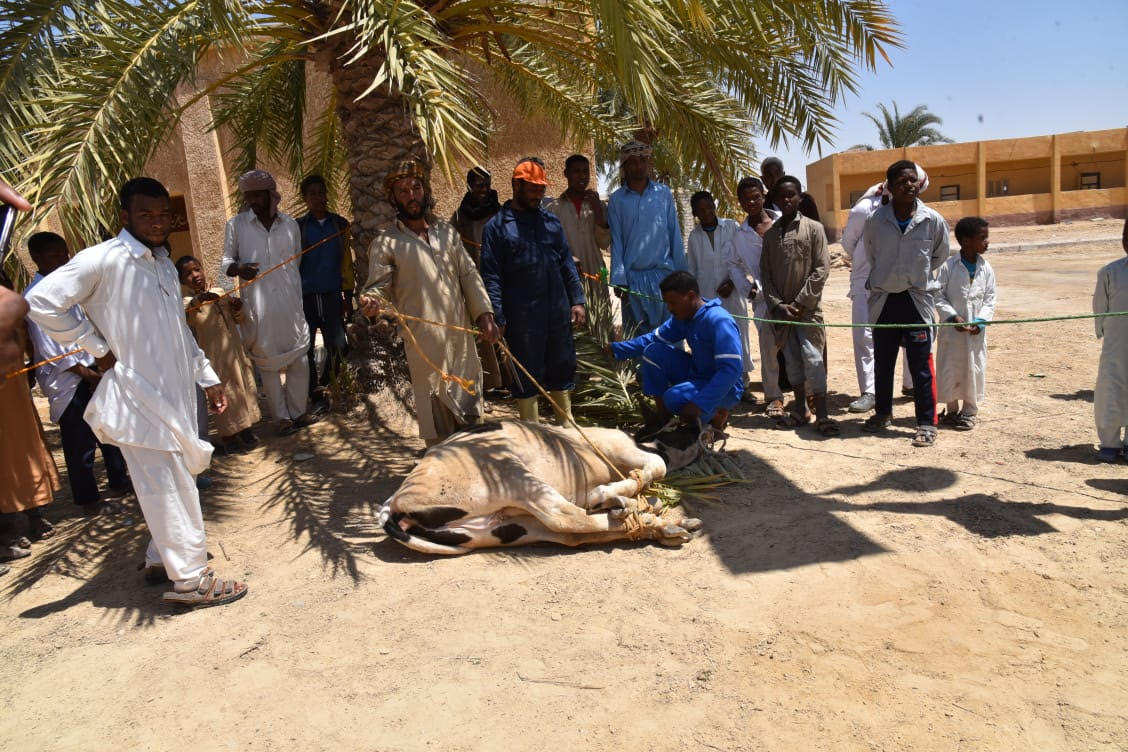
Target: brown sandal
211	591
775	409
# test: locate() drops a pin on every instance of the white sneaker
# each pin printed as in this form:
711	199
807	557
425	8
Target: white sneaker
863	404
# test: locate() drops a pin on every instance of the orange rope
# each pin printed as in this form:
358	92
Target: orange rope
198	306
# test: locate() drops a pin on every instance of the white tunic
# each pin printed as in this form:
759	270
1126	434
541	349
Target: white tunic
275	332
131	296
714	263
851	241
749	247
961	372
1110	403
56	379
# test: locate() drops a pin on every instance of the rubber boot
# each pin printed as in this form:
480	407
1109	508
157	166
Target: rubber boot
564	411
527	410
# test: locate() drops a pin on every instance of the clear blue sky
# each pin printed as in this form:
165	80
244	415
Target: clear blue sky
1025	68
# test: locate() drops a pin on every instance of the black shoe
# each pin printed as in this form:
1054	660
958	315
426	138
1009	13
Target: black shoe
319	406
303	420
908	391
247	436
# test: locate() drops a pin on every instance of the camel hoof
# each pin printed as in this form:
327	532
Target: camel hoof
692	524
618	514
673	535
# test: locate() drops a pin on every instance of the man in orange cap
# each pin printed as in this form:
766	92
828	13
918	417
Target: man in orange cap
535	290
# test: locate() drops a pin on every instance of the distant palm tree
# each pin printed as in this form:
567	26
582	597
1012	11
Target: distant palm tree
913	129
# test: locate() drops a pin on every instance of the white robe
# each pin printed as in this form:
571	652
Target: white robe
749	246
1110	402
713	264
961	372
275	332
131	296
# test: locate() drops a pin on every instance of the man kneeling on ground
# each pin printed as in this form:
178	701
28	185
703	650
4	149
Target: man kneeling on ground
702	385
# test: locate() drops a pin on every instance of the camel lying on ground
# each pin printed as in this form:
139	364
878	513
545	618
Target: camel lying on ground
512	483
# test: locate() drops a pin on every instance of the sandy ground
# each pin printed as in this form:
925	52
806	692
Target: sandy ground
858	595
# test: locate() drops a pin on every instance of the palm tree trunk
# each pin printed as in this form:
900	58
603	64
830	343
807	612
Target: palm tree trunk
378	134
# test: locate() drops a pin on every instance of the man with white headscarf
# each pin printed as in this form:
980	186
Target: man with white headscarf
276	334
646	239
873	199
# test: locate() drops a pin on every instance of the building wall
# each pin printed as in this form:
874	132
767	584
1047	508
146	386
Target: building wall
1042	175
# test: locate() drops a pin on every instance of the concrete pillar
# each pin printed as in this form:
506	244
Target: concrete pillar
209	205
835	197
981	179
1055	178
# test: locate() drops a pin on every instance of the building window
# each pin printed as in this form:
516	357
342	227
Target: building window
997	188
1090	181
855	197
949	193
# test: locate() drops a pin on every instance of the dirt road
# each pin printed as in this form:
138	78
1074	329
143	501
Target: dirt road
858	595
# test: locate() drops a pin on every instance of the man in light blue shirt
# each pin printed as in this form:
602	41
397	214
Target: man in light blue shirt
646	239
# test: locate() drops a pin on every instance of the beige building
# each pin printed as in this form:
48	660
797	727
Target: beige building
1014	181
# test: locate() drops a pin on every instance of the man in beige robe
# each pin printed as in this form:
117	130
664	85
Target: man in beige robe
794	268
583	216
420	267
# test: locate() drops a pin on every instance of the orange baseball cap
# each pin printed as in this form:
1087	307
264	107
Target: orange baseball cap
530	172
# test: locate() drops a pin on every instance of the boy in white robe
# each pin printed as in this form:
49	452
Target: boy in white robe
257	239
966	297
711	254
145	402
1110	401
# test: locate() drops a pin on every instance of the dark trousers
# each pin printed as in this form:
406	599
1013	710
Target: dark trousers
79	444
325	311
900	309
548	352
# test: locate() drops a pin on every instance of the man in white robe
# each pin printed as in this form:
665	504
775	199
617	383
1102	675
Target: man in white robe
145	402
712	258
1110	402
277	336
871	201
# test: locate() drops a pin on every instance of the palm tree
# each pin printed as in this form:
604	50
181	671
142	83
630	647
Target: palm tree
89	89
914	129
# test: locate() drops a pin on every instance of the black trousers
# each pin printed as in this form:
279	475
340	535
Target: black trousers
79	444
900	309
325	311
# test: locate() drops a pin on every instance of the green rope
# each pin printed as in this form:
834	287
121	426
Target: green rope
1036	320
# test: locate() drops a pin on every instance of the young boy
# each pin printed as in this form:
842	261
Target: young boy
215	325
966	297
794	268
713	261
1110	403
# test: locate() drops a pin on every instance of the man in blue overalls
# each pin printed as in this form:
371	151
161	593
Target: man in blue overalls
704	384
327	284
535	290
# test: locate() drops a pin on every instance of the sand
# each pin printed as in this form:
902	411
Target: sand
859	594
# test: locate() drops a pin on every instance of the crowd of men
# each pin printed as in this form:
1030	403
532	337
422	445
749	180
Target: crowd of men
136	350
